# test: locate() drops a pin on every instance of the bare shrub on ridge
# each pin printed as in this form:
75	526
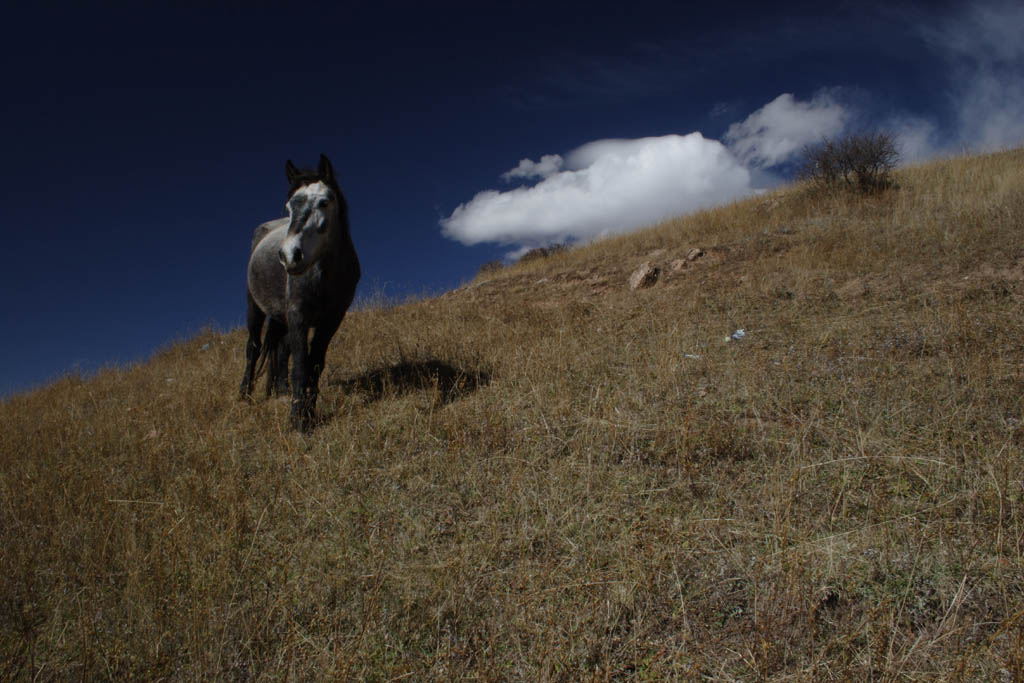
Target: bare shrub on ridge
863	163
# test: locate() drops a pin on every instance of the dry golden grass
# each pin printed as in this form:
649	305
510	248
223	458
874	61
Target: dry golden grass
546	476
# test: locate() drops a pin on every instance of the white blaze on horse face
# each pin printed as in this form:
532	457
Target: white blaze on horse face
315	207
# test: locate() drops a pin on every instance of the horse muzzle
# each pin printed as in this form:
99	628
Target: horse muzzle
292	260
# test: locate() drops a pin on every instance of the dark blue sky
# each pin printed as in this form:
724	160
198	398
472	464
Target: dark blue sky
142	145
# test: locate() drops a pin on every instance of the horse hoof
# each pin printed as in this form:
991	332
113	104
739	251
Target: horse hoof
302	421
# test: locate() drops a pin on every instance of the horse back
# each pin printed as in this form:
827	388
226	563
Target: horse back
265	229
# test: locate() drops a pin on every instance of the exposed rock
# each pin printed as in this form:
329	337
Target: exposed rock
678	265
644	276
736	336
694	254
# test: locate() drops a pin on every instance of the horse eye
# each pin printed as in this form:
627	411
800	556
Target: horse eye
322	204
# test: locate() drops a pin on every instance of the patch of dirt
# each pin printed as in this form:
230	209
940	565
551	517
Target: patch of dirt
554	287
856	288
1014	273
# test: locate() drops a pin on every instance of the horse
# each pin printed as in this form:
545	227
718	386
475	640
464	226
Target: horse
302	276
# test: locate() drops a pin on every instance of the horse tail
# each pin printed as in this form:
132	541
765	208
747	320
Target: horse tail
261	362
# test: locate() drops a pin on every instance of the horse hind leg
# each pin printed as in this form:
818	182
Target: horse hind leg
254	321
278	353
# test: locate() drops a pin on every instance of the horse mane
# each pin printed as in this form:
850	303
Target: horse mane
308	177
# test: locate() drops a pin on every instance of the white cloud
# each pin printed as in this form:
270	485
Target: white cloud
916	138
986	54
613	186
605	187
991	111
776	132
518	253
986	32
549	164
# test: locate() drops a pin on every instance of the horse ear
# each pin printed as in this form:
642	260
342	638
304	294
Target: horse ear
290	172
326	171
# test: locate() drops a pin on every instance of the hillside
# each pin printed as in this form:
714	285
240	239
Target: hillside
545	475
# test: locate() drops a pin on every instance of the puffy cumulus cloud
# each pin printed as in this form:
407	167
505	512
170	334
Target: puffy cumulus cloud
604	187
549	164
613	186
776	132
981	46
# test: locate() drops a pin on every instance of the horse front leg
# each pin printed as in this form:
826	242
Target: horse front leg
254	321
318	349
303	395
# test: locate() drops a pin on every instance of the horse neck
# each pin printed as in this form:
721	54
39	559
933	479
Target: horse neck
341	248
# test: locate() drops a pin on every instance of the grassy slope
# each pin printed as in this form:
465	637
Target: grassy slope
533	478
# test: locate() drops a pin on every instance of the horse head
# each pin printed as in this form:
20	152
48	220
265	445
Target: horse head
316	210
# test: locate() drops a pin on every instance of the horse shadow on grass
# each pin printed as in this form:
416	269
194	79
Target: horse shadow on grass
449	382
